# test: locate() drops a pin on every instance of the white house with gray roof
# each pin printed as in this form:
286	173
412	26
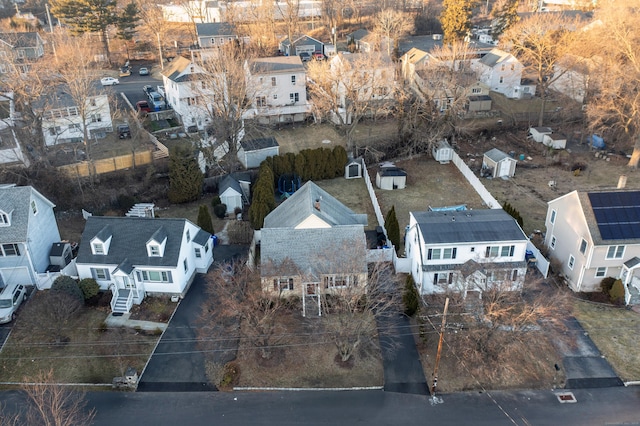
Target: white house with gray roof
279	90
462	251
28	229
135	257
502	73
312	244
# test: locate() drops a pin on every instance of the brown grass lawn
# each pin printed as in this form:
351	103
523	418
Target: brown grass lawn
615	331
93	353
353	194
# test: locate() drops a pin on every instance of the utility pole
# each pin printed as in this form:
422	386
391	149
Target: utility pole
435	368
53	43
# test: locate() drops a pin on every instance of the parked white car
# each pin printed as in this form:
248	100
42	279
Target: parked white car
109	81
11	297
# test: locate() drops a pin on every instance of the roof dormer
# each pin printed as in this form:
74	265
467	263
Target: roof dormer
101	242
157	243
5	218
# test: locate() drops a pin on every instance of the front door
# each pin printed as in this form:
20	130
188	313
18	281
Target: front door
312	289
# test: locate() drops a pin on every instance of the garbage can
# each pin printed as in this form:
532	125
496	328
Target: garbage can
215	240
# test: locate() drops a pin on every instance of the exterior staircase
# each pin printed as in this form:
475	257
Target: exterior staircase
121	301
635	295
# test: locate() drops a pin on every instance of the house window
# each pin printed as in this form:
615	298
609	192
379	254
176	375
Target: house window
340	281
601	272
492	251
501	79
185	265
433	254
293	80
98	248
261	101
502	67
280	284
54	130
4	219
476	90
100	273
572	261
583	246
275	96
615	252
473	249
552	219
443	278
213	41
206	248
34	207
552	244
74	128
188	236
294	97
514	275
513	67
507	251
449	253
154	276
10	250
96	118
273	81
154	250
93	102
197	252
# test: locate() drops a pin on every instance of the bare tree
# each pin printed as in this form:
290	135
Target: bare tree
260	25
289	11
392	25
49	314
51	404
150	14
540	42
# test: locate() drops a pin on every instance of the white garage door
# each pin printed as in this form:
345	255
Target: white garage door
15	276
309	48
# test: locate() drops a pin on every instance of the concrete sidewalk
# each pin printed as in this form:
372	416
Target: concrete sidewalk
125	321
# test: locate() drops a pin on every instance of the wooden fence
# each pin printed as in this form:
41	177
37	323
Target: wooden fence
107	165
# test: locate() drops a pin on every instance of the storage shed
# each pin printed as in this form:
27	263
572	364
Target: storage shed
353	169
442	152
255	151
556	141
391	177
479	103
230	193
499	163
537	133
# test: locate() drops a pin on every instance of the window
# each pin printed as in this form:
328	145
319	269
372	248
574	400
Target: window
4	219
185	265
34	207
206	248
197	252
10	250
261	101
507	251
294	97
513	67
449	253
54	130
583	246
553	242
615	252
501	79
552	219
74	128
154	276
476	90
433	254
514	275
340	281
280	284
154	250
93	102
601	272
188	236
213	41
502	67
100	273
492	251
96	118
98	248
572	261
273	81
275	96
293	80
443	278
473	249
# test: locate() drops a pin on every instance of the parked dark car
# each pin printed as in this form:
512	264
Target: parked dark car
305	56
147	89
125	71
123	131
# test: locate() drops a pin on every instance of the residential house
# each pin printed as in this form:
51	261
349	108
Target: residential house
311	245
502	73
252	152
301	44
135	257
365	41
64	121
20	48
595	235
279	90
462	251
499	163
28	229
10	149
215	35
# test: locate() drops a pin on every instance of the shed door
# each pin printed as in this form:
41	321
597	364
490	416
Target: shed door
504	168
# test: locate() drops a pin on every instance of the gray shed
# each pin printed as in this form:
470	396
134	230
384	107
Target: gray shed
442	152
255	151
499	163
391	177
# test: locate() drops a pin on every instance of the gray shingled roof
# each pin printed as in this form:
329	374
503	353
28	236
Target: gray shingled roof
129	239
16	200
177	66
229	182
276	64
468	226
496	155
211	29
490	59
23	39
259	143
302	204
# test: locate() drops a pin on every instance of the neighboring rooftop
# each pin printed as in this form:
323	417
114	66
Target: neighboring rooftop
617	214
276	64
259	143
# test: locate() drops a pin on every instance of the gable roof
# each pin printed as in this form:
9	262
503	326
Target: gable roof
616	214
469	226
16	200
176	68
229	182
302	204
415	55
276	64
496	155
259	143
296	41
22	39
211	29
359	34
129	240
494	57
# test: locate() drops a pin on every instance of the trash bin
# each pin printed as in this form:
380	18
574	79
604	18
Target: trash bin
215	240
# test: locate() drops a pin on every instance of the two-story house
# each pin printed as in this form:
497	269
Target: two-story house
64	121
462	251
502	73
311	245
28	229
596	235
19	49
279	90
136	257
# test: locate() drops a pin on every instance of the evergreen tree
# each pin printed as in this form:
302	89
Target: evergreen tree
185	177
127	22
392	227
204	219
410	297
339	160
456	19
505	14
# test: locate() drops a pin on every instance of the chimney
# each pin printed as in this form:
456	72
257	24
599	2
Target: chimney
622	181
316	205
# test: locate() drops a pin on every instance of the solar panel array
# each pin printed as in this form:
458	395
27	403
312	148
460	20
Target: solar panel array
617	214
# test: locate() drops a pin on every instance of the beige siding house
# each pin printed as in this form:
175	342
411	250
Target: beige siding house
596	235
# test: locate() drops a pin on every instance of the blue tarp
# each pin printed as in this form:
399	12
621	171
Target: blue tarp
597	142
458	208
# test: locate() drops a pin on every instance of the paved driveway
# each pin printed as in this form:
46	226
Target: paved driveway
177	365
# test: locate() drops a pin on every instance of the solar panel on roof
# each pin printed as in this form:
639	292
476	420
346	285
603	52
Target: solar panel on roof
617	214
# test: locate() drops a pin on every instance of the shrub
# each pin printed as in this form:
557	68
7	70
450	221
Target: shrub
410	297
237	211
125	202
606	284
616	294
204	219
220	210
230	376
89	287
66	284
215	201
392	227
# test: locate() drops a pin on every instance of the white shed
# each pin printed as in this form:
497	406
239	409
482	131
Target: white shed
442	152
353	169
230	193
499	163
537	133
255	151
391	177
556	141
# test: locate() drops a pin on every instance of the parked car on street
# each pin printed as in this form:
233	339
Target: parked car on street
143	71
11	297
109	81
125	71
142	107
